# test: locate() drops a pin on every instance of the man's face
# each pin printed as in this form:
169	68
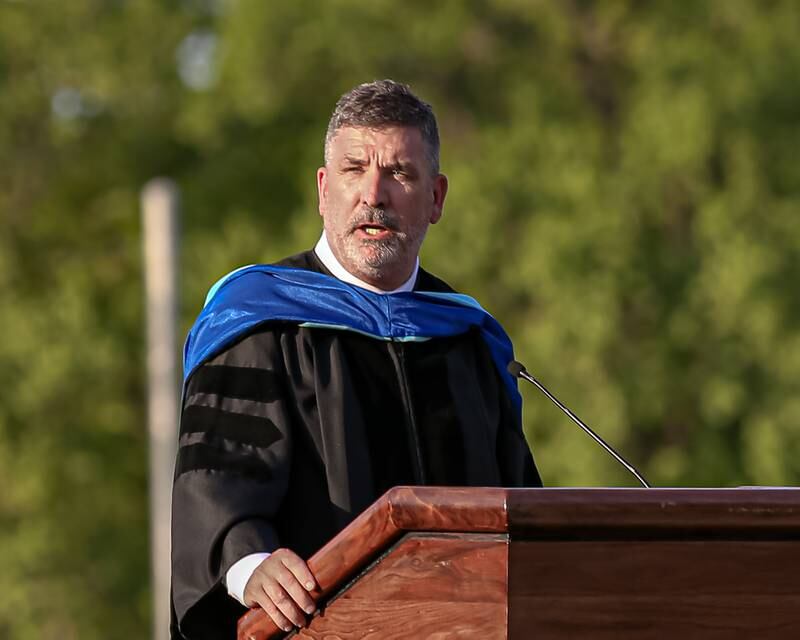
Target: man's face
377	196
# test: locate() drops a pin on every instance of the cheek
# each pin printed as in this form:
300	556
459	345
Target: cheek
333	201
418	203
342	195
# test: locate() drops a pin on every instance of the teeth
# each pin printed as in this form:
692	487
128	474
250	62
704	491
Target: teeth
371	231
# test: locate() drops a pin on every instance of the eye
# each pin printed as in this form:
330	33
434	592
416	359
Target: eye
402	173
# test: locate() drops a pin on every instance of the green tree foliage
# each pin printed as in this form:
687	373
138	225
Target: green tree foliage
624	197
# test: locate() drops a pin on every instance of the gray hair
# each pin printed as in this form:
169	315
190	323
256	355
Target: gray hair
381	104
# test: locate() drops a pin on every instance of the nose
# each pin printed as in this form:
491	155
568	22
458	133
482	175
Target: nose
373	188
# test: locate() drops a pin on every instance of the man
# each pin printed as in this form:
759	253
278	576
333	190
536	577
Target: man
316	385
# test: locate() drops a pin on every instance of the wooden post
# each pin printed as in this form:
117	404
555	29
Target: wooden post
160	220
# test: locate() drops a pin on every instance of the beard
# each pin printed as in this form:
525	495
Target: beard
377	257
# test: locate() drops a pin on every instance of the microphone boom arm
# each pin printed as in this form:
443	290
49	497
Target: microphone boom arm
518	371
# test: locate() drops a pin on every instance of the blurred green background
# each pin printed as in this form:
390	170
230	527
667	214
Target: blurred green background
625	191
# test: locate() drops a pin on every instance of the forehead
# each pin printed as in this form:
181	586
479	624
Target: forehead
392	142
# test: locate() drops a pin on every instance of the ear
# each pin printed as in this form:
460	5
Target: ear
322	190
439	194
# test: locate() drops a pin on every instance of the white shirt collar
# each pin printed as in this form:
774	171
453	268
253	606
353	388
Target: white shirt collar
325	254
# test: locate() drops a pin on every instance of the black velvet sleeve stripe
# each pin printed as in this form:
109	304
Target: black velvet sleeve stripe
247	429
202	456
245	383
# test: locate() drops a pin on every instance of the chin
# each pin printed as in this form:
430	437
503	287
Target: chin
369	273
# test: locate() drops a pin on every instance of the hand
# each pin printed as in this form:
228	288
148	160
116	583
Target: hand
280	586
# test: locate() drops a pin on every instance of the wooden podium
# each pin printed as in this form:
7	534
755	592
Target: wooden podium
427	562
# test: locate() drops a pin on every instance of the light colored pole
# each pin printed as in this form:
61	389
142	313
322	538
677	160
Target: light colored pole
160	220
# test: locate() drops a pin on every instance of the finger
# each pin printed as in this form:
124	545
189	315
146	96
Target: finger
285	604
280	620
295	590
300	570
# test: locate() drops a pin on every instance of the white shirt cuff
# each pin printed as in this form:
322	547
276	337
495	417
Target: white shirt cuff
237	576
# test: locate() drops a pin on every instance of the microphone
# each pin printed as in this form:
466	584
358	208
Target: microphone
517	370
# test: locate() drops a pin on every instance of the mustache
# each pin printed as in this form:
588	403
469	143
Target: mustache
376	216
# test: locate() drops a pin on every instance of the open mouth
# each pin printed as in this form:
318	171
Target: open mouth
374	231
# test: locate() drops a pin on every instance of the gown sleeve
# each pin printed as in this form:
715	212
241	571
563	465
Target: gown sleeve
231	476
517	467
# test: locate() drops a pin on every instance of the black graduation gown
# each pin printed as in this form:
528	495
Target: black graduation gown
290	433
